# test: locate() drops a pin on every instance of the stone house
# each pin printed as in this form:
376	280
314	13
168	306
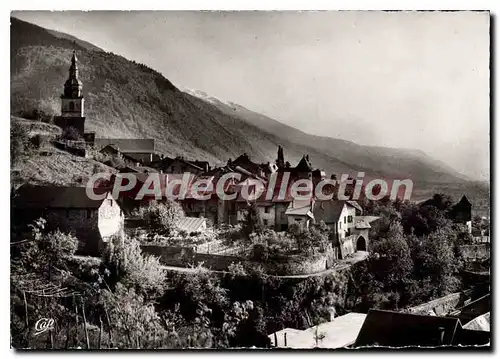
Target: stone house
93	222
300	212
141	149
349	228
179	165
112	150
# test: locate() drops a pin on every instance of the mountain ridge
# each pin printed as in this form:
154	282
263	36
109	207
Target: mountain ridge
129	100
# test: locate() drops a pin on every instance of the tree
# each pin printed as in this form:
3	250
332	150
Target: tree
381	279
47	250
435	261
72	134
161	217
422	220
142	273
253	222
19	141
135	323
197	288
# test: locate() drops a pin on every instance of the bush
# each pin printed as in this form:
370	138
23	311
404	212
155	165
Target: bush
19	141
161	217
135	322
47	249
72	134
252	223
142	273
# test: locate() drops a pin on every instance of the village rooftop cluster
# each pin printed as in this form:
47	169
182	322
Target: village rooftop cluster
229	187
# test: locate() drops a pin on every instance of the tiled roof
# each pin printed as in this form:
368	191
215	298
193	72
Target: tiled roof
340	332
192	224
300	208
397	329
128	145
363	222
39	197
480	323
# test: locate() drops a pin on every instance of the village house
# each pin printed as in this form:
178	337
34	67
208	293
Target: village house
349	228
300	212
179	165
461	212
140	149
93	222
112	150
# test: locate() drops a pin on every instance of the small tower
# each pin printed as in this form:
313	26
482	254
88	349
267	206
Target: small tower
280	161
72	101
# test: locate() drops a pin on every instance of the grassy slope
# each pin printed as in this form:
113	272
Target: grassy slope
60	168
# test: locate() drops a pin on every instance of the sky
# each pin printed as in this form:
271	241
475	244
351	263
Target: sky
397	79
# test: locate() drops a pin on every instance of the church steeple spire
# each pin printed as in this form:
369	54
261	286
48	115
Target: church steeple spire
73	86
72	99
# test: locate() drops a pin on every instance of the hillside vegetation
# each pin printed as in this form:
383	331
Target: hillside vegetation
127	99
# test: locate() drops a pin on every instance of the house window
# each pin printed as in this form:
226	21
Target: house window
298	219
349	219
110	202
340	224
345	219
265	221
71	106
267	209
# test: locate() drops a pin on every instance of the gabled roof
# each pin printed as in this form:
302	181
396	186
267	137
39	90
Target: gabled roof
300	208
479	323
304	165
355	205
397	329
40	197
339	333
114	150
192	224
128	145
363	222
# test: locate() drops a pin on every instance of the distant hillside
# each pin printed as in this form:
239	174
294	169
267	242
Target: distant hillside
127	99
381	161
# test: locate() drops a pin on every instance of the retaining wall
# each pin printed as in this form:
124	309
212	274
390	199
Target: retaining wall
291	265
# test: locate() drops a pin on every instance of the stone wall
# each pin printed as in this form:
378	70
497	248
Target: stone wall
290	265
169	255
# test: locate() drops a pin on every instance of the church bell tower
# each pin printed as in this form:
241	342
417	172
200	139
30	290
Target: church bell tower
72	101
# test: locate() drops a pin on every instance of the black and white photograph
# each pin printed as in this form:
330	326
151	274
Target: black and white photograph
274	180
